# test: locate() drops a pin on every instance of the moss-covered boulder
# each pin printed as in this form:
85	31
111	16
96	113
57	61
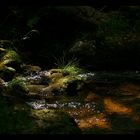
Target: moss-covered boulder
68	85
59	82
55	122
9	63
17	88
20	119
55	74
11	56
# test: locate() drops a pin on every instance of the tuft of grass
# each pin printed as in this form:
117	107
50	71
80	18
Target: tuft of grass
69	66
72	68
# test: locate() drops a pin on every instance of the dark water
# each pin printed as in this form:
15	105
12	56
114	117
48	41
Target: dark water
110	103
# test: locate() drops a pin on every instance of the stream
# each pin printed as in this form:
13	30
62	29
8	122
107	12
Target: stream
105	103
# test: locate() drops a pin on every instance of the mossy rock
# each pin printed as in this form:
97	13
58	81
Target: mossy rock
56	122
20	119
10	56
56	74
70	84
17	87
30	69
9	64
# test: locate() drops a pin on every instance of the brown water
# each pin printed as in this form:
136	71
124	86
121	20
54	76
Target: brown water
109	104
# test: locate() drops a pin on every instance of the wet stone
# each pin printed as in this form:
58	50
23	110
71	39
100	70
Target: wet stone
38	78
36	104
42	104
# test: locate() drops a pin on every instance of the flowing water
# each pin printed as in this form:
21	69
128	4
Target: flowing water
109	103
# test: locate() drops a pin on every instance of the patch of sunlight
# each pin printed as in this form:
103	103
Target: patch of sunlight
130	89
11	56
11	69
94	121
92	97
62	80
114	107
41	114
6	62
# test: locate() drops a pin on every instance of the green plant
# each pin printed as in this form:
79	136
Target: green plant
17	87
69	66
11	55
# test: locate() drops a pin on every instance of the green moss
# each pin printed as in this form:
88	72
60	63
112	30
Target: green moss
19	119
9	63
14	119
56	122
11	55
2	50
17	87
